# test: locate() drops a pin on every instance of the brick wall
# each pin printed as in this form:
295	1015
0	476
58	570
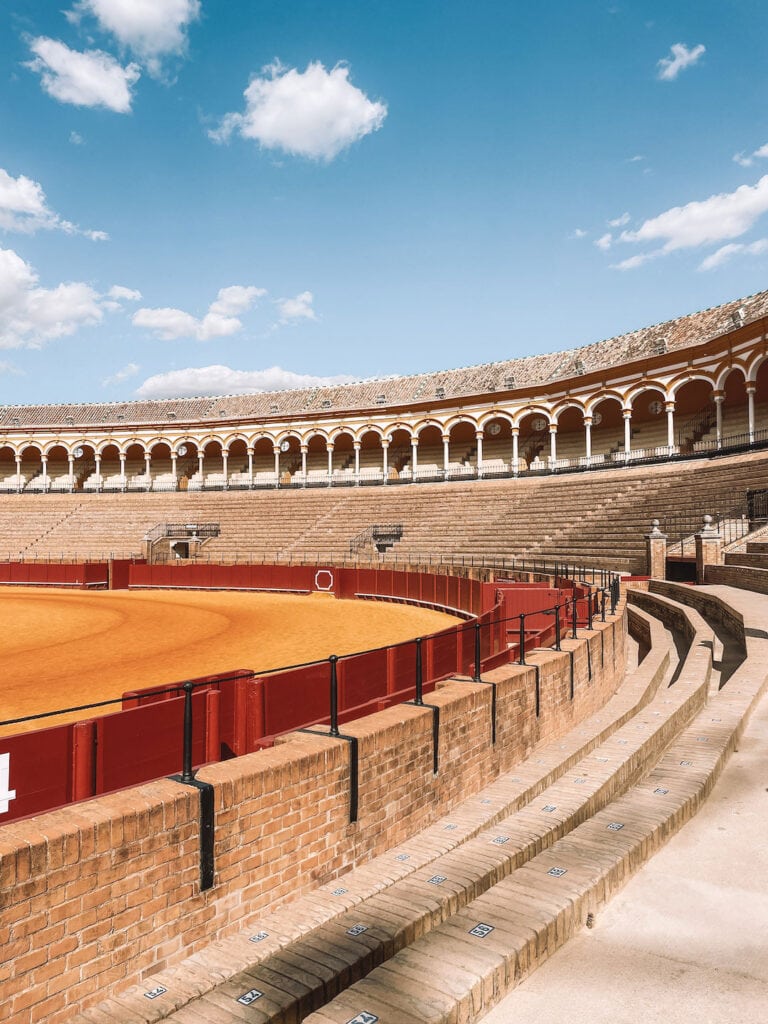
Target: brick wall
97	895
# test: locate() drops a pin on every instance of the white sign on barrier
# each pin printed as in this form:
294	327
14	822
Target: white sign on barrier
324	579
6	794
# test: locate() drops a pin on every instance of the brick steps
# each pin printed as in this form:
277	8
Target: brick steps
412	906
532	912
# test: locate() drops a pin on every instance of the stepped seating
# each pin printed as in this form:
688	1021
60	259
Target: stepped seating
442	926
592	518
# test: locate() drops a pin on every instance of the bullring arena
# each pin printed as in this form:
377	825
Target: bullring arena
368	699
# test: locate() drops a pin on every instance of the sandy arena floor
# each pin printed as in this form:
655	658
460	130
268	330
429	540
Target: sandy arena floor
65	648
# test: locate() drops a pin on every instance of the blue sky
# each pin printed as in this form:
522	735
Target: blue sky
201	196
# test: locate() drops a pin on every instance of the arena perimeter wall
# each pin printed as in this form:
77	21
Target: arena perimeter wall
97	895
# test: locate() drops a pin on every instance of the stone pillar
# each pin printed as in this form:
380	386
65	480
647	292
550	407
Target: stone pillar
250	467
552	444
357	446
588	438
479	439
44	466
276	450
670	408
751	388
384	456
709	548
122	472
627	415
174	467
414	457
656	552
71	461
304	463
224	466
515	450
719	398
97	460
329	449
446	454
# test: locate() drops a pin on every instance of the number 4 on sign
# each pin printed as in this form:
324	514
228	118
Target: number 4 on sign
6	794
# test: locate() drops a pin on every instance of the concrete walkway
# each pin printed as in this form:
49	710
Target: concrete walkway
687	939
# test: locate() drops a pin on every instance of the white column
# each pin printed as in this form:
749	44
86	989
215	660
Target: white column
588	438
515	450
174	470
224	465
357	445
479	439
670	407
44	461
719	398
384	455
18	472
122	470
751	410
200	457
627	414
552	443
446	453
71	461
414	456
250	467
276	450
329	447
147	460
97	460
304	461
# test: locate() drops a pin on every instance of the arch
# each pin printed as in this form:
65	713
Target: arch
495	414
725	371
689	377
605	395
754	366
639	389
534	409
565	405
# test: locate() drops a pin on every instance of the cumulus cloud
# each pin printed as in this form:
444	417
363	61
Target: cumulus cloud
619	222
89	79
727	252
24	208
220	321
721	216
578	233
128	371
314	113
299	308
206	380
604	242
119	291
31	315
151	29
636	261
680	59
747	159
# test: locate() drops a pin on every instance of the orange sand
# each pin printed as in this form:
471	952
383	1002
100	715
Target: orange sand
64	648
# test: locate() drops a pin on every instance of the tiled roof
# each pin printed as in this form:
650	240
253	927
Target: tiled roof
683	332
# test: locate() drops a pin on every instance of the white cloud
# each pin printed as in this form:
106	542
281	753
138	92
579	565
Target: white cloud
296	309
578	233
211	380
619	222
89	79
119	291
31	315
604	242
169	324
682	57
120	375
313	113
23	207
152	29
636	261
725	252
747	159
76	139
636	159
722	216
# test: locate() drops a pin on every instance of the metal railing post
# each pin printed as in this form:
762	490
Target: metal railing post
478	666
557	627
521	659
334	696
574	615
186	769
602	604
419	675
590	609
